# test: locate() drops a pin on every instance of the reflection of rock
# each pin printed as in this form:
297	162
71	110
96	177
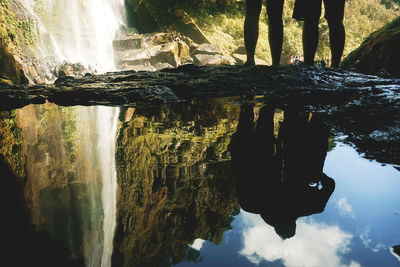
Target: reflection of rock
395	250
171	193
62	184
379	53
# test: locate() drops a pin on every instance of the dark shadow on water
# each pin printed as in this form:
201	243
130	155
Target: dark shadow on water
279	176
21	244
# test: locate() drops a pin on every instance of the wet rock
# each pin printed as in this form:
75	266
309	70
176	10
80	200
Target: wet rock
379	54
132	57
208	49
241	59
211	55
160	66
72	70
156	49
365	108
127	43
184	24
168	53
213	60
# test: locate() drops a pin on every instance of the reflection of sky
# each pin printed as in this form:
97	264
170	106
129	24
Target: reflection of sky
315	244
359	225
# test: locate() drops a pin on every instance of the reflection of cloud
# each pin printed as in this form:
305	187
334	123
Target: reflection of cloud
345	208
367	241
314	244
198	244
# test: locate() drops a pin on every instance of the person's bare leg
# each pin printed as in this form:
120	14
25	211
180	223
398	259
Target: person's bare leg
310	39
337	38
253	10
275	29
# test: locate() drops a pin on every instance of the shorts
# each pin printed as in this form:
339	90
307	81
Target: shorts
334	9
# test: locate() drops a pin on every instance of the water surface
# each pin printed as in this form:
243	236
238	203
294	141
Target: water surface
158	186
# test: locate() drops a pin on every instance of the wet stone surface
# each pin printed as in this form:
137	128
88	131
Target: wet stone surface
130	88
364	107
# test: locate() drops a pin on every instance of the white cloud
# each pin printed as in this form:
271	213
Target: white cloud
314	244
198	244
345	208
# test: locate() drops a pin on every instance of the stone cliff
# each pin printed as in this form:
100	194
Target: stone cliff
379	54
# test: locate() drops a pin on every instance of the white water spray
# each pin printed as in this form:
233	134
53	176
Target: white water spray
82	30
107	121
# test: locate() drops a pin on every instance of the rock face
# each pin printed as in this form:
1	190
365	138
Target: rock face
379	53
20	61
163	153
156	51
157	15
354	100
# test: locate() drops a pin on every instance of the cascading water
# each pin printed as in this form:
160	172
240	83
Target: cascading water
82	31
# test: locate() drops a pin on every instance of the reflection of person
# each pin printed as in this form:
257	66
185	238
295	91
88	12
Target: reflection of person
281	178
275	30
310	11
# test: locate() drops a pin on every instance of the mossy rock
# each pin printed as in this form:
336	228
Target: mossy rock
8	67
379	53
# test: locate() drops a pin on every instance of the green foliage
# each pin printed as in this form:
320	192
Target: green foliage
362	17
14	31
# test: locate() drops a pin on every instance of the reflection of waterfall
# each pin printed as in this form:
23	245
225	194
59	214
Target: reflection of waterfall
82	30
107	119
71	177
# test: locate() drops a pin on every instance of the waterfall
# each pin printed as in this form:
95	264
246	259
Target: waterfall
82	30
107	119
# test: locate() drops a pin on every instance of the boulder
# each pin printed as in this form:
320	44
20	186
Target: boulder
184	24
128	42
379	53
161	50
212	60
168	53
240	58
132	57
209	49
9	68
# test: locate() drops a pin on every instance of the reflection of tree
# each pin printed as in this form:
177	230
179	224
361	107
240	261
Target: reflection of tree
175	183
281	177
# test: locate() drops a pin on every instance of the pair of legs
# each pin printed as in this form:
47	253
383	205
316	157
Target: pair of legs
275	28
310	12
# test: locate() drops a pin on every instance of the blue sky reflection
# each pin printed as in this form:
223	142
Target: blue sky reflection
315	243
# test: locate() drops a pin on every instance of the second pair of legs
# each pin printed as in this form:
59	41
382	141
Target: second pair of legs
308	11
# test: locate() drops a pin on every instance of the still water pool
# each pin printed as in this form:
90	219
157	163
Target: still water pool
208	183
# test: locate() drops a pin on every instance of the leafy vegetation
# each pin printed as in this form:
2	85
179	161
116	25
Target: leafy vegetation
224	26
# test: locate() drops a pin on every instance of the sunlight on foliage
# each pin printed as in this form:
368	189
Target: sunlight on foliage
362	17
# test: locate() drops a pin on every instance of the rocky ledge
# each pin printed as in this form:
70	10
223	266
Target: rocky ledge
363	107
187	82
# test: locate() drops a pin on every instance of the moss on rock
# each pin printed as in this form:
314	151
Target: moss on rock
379	53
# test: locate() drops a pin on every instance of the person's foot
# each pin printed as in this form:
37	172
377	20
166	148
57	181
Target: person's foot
250	63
